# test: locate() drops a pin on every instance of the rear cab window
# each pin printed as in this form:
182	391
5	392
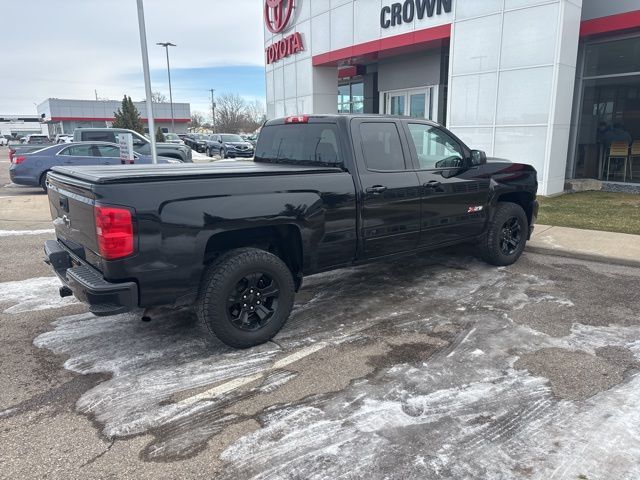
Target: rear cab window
304	143
98	137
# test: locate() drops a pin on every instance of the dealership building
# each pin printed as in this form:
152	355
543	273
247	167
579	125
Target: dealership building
64	115
553	83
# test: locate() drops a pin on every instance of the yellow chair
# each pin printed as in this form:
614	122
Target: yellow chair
635	155
618	150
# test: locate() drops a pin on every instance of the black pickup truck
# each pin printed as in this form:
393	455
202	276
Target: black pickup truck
234	239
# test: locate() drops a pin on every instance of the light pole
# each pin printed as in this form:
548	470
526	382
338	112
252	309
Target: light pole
213	110
166	46
147	81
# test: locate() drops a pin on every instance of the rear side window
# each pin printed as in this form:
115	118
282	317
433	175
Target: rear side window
84	150
304	143
381	146
109	151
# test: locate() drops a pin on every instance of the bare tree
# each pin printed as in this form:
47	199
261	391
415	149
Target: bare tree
234	114
255	116
197	120
230	113
158	97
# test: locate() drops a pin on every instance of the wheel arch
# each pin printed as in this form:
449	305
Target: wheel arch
522	198
284	241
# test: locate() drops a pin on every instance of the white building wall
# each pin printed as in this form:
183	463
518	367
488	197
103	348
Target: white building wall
511	78
293	85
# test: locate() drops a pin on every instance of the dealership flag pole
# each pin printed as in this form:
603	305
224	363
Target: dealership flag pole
147	81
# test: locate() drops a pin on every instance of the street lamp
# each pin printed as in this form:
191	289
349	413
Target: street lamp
147	80
166	46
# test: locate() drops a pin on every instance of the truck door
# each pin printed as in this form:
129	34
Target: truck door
390	213
454	197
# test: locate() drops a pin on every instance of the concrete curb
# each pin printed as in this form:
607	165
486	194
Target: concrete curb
592	257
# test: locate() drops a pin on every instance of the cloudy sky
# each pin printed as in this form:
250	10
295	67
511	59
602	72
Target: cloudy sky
71	48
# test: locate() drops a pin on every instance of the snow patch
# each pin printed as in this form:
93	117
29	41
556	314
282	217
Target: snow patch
40	293
19	233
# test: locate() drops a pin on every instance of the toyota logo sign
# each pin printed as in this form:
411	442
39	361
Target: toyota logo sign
277	14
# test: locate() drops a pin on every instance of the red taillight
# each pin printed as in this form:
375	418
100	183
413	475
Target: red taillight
114	229
11	152
19	159
297	119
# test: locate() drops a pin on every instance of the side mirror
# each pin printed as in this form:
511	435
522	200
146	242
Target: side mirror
478	157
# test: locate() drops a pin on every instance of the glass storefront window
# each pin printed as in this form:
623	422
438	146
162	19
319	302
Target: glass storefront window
414	102
611	58
609	118
351	98
417	105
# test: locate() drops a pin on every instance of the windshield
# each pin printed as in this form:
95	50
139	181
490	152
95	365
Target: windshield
310	144
231	138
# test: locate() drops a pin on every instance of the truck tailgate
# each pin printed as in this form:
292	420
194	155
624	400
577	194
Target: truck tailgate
71	203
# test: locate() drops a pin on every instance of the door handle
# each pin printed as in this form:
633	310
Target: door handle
432	184
376	189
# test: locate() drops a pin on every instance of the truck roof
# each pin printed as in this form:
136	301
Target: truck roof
313	118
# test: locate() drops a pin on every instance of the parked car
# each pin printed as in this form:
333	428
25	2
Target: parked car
229	145
198	142
173	138
141	144
192	140
234	239
31	168
4	141
36	139
63	138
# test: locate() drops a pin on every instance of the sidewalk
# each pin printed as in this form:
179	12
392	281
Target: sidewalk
607	247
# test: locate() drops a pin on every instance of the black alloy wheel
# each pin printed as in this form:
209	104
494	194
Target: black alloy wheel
506	235
253	301
245	296
510	236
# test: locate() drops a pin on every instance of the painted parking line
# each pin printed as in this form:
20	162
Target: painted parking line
242	381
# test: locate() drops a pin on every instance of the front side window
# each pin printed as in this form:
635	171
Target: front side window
435	149
381	146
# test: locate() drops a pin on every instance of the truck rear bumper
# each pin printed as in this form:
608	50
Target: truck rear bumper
87	284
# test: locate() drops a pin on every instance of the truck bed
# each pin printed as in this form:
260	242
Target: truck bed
150	173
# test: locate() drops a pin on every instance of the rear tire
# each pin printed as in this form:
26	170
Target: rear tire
245	297
208	152
43	182
223	154
506	236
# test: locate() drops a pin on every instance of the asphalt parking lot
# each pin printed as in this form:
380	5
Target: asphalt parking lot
434	366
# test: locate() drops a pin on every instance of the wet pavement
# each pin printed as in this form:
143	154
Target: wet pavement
433	366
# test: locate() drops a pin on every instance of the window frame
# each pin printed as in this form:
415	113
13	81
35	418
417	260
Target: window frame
466	151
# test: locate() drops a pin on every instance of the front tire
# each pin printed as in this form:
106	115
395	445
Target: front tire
223	154
208	152
506	236
245	297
